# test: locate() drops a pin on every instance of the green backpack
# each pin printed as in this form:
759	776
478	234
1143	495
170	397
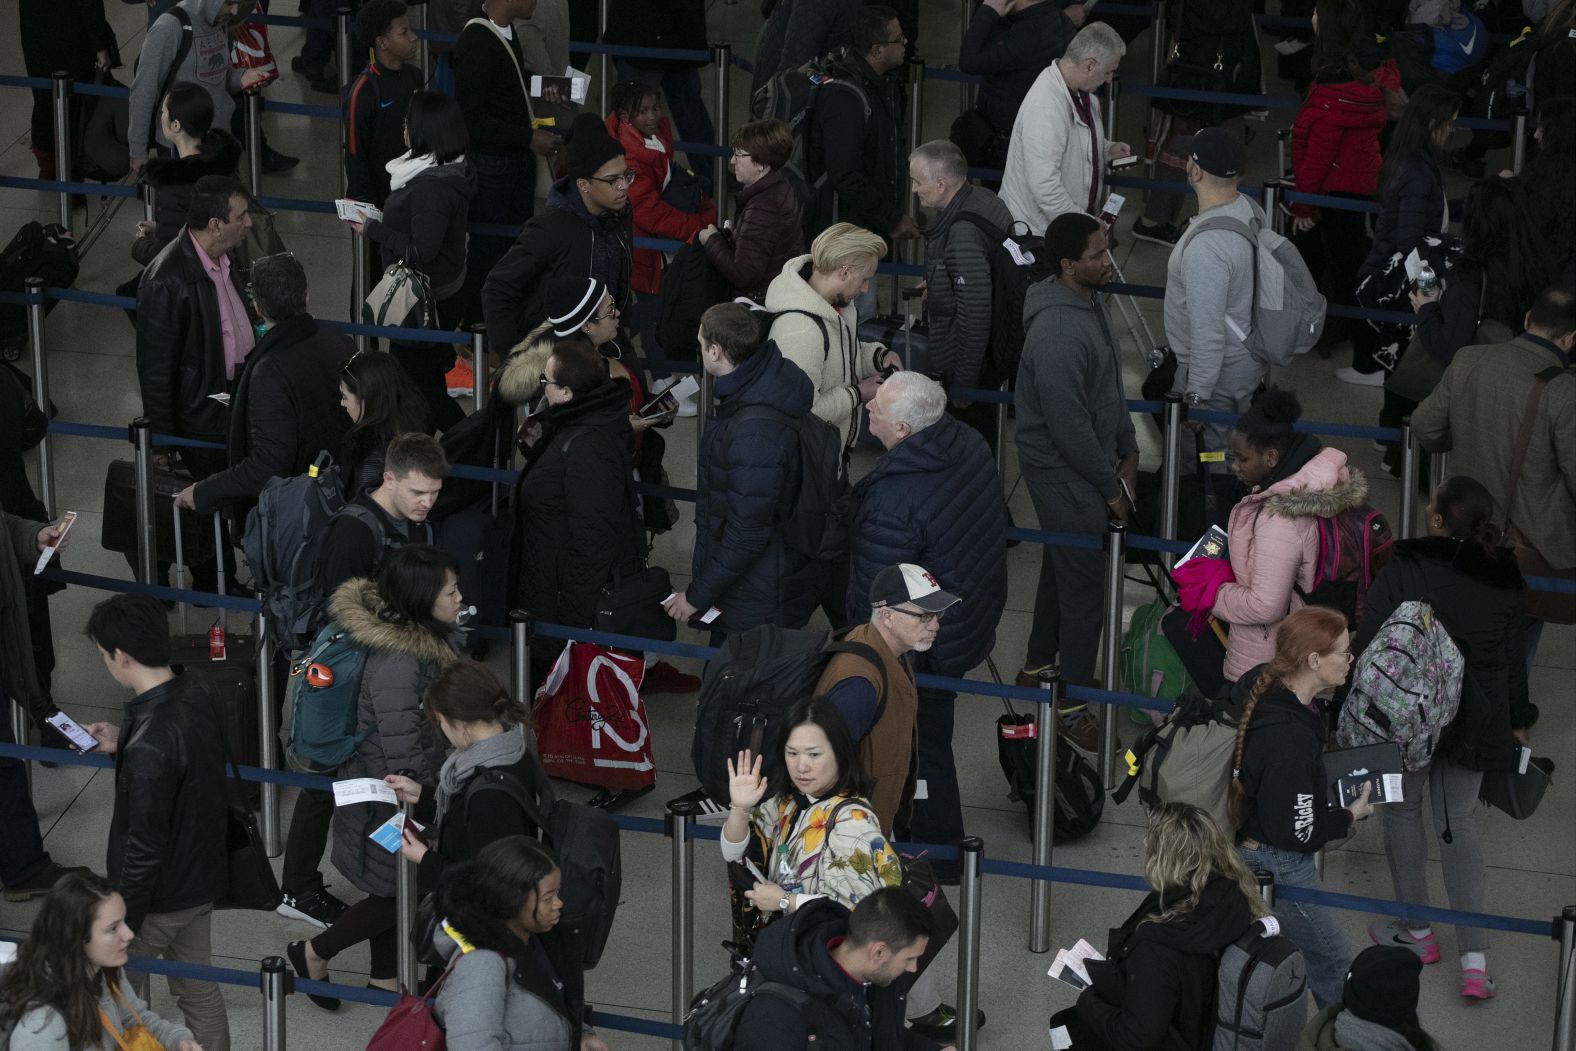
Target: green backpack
1149	662
324	686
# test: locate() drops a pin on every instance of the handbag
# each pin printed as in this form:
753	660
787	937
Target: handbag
1516	793
919	880
252	883
1550	606
1186	75
135	1037
401	298
411	1023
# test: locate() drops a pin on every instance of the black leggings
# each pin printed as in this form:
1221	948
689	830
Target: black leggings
370	920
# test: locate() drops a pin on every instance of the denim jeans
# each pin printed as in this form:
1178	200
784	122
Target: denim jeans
681	87
938	818
1310	927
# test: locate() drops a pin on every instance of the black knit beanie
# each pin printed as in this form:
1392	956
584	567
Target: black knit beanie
1382	986
589	147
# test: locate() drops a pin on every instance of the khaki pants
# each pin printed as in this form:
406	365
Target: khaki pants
187	937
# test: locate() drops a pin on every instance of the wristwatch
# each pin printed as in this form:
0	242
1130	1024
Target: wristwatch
1195	400
782	905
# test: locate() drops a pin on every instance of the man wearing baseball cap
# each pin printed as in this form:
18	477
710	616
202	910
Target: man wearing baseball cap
871	681
1209	301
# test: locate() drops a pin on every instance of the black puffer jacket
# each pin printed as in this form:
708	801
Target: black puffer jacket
172	179
575	510
284	412
843	1015
166	842
1010	51
424	224
857	153
562	238
1477	597
768	230
749	473
1411	206
1156	989
935	500
1283	773
180	350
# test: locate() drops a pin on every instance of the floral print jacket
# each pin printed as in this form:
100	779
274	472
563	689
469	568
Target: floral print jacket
834	847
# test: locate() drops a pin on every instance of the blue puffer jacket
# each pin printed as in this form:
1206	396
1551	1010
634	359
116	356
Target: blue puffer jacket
935	500
1412	206
749	475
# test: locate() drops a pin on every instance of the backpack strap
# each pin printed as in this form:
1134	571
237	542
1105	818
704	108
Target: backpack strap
995	233
181	51
492	779
820	322
868	654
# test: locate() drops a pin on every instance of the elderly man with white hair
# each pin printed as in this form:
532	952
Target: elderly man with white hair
1058	153
970	221
933	499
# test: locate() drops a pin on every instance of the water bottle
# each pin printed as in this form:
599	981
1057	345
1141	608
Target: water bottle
1157	357
1427	280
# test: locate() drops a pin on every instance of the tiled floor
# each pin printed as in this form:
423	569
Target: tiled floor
1532	869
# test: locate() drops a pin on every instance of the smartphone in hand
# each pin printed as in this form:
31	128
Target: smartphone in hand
73	731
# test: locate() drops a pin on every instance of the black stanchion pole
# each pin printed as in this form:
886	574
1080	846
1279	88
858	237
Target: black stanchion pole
1171	471
520	623
971	850
252	101
1266	882
268	734
1044	807
60	99
680	815
34	286
1115	562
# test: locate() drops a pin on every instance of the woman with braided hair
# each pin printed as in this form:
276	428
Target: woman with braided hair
1278	786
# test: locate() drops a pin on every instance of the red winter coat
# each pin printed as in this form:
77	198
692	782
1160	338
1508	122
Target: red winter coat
1335	140
654	217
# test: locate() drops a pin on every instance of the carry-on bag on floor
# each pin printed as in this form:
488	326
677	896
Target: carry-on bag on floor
48	252
120	516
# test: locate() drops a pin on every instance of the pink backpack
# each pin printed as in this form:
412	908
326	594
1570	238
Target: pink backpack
1354	546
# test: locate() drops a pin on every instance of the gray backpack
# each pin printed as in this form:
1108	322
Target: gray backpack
1259	992
1288	311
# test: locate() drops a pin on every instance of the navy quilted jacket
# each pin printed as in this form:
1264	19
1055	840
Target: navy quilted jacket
1412	207
935	500
749	476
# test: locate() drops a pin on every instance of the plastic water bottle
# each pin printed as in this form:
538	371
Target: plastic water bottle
1157	357
1427	280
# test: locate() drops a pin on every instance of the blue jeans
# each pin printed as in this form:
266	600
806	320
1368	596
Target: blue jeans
681	87
1310	927
938	818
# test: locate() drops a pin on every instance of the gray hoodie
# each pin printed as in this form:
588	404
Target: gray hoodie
1073	423
43	1029
206	63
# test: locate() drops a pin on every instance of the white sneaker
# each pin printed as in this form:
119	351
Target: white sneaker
1347	374
688	409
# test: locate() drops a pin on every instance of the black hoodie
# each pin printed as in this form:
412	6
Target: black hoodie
1283	772
1477	596
842	1014
1156	990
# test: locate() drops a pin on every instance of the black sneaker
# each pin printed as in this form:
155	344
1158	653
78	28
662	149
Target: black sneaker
707	810
319	908
941	1025
41	882
1156	233
275	162
295	952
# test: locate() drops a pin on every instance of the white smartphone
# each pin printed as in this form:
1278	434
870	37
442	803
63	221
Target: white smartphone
66	521
73	731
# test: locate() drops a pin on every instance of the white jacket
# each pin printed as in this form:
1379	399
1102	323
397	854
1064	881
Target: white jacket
826	346
1051	157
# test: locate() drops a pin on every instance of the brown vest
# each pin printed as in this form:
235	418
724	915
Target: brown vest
888	750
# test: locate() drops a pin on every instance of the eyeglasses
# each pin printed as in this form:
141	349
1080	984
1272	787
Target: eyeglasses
548	381
611	312
615	181
903	40
743	155
925	617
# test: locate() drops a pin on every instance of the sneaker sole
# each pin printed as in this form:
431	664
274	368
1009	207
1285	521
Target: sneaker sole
291	913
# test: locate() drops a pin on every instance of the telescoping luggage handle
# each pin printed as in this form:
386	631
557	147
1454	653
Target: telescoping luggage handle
185	570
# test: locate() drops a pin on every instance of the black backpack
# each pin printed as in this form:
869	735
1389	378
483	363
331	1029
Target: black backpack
1080	798
817	526
1012	270
749	686
714	1014
790	96
690	284
586	843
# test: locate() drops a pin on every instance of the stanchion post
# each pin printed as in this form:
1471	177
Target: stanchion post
971	850
275	981
1115	561
344	41
680	816
1157	46
147	191
60	99
1518	143
916	121
1171	470
19	734
268	735
1272	200
1001	445
1113	95
606	61
520	662
1438	468
965	96
423	50
1565	1003
405	915
480	373
34	287
1266	882
1044	807
252	114
1408	478
722	59
358	283
142	459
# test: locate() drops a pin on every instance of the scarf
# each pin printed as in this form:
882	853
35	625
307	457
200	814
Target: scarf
505	749
1359	1034
404	168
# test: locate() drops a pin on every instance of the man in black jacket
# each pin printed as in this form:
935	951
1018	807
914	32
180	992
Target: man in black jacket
286	404
193	328
166	836
378	99
856	128
584	230
854	969
491	85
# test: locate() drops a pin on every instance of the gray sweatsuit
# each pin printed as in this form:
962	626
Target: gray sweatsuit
207	63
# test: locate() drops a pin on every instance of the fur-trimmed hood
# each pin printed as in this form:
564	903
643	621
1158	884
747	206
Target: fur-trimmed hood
219	154
520	379
1323	486
357	607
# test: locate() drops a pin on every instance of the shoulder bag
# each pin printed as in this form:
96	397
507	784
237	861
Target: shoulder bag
252	883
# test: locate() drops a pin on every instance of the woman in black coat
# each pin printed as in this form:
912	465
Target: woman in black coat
768	224
1155	989
186	117
1009	43
423	225
1476	590
576	520
382	402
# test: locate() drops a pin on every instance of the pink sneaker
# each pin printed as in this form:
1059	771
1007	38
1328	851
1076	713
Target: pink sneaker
1394	932
1476	985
